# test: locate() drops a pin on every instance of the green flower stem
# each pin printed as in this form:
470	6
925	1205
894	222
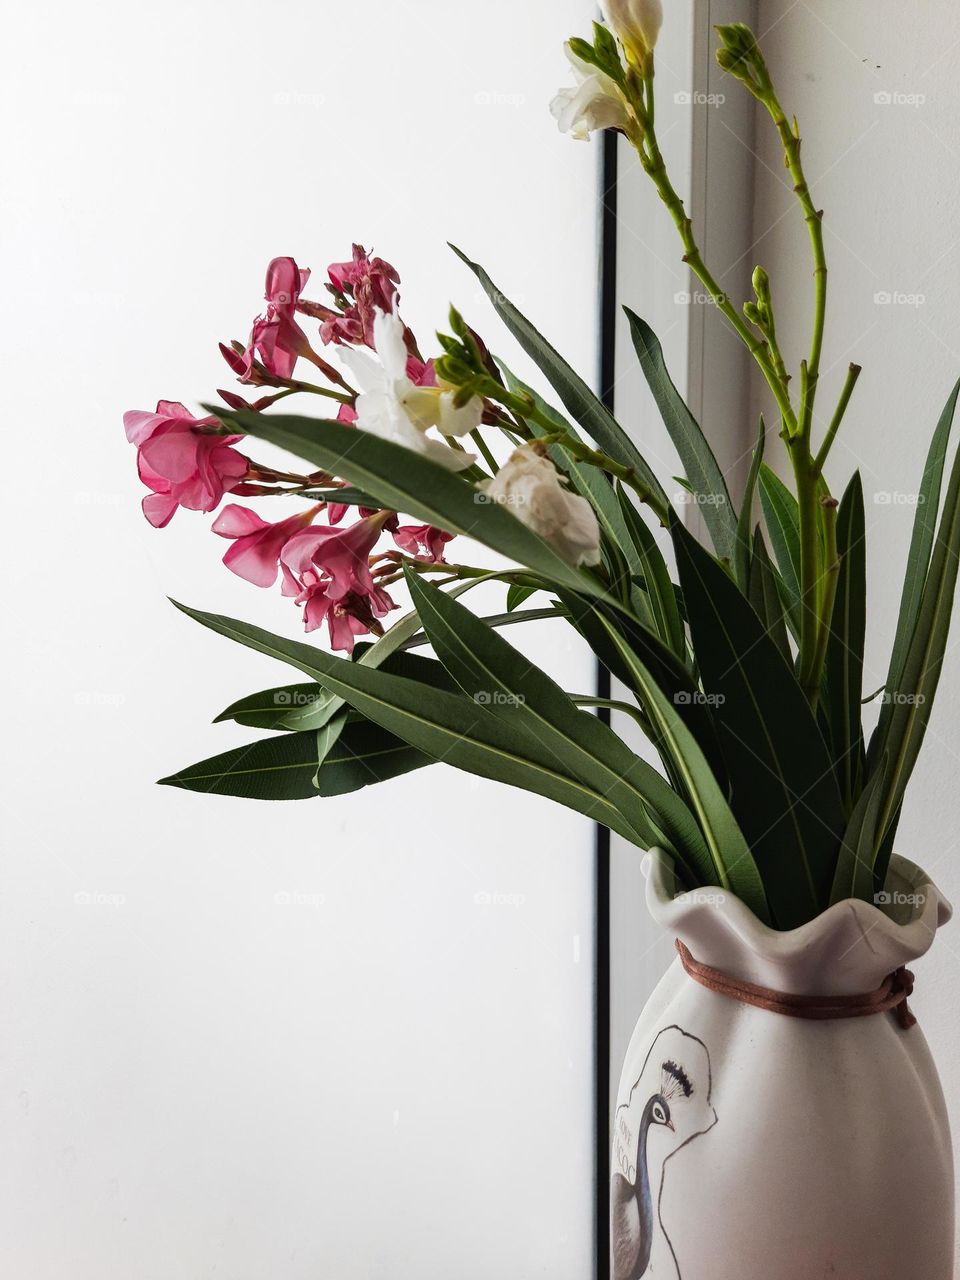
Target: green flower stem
295	384
813	217
644	139
584	453
614	704
458	572
853	373
482	446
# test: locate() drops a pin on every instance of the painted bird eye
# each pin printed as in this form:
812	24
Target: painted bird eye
659	1114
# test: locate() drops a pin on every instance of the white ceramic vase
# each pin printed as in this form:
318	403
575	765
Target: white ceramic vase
753	1146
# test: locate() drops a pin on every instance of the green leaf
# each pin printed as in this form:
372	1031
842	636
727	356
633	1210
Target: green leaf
699	462
782	518
576	396
492	672
327	739
918	564
308	706
783	789
406	481
660	590
766	596
745	521
844	667
270	708
910	702
497	620
346	496
443	725
731	863
516	595
594	621
284	768
854	877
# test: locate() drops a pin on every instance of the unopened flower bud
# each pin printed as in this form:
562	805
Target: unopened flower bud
761	284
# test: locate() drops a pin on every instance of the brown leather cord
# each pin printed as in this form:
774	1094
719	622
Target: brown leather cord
890	996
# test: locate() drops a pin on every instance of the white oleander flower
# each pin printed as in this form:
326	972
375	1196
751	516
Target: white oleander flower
596	102
636	24
389	405
434	407
536	493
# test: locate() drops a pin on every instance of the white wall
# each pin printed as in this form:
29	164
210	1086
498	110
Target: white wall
887	176
195	1080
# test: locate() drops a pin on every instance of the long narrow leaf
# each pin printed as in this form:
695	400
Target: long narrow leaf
766	596
732	863
854	876
286	767
576	396
782	519
784	793
911	701
918	564
844	686
660	590
490	669
921	541
745	519
443	725
699	462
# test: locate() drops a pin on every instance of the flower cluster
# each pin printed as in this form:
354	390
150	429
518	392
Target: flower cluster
383	386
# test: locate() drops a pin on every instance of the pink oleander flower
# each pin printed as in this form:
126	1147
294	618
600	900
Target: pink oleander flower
182	459
371	283
340	554
422	540
257	544
327	570
353	616
276	337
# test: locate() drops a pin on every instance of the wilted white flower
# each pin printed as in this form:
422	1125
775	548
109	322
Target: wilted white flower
596	103
636	23
535	491
389	403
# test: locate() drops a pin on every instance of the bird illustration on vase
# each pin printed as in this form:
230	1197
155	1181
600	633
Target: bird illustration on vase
668	1106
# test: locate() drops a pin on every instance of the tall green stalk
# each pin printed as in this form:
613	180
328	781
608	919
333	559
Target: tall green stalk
740	55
